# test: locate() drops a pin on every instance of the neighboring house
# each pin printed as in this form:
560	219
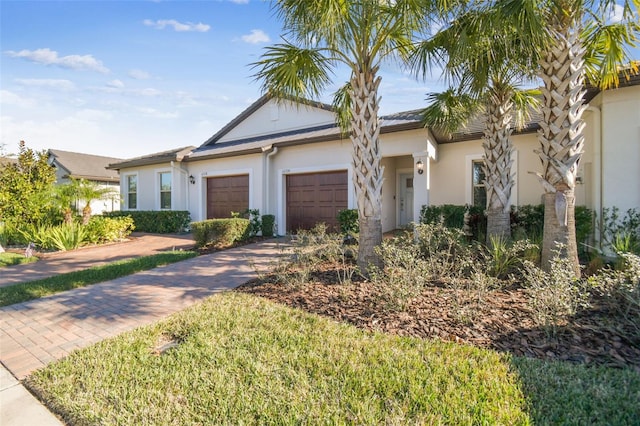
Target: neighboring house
92	168
291	161
7	160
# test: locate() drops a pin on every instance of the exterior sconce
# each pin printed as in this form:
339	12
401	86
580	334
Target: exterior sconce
192	180
420	167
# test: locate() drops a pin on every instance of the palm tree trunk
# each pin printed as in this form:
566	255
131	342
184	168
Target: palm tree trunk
497	165
561	140
367	171
86	213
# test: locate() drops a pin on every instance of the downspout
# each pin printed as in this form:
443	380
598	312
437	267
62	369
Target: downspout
597	191
267	172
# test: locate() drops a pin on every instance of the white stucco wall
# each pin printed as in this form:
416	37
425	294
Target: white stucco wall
274	117
148	196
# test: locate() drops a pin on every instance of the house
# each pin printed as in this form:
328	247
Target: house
92	168
290	160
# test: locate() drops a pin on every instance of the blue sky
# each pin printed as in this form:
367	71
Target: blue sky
133	77
128	78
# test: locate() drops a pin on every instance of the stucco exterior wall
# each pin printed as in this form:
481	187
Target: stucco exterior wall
148	195
276	117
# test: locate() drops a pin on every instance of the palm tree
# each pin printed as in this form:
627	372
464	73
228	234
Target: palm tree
360	34
90	191
66	195
487	74
571	40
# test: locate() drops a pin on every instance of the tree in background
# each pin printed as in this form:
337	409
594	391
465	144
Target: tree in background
25	189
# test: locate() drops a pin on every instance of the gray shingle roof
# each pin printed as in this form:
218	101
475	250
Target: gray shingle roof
176	154
85	166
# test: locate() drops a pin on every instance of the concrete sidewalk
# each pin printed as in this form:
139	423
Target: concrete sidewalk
37	332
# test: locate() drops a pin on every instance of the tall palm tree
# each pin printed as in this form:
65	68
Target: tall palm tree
358	34
571	40
481	63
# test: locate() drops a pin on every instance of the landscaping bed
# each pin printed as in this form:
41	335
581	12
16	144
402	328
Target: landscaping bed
502	320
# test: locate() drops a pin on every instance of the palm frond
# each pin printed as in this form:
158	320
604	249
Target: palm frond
288	71
449	111
342	107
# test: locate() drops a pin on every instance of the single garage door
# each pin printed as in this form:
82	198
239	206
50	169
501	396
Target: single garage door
314	198
226	194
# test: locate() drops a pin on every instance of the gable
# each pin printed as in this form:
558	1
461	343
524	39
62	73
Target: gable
268	116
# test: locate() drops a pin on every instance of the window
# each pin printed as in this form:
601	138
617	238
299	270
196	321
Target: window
165	191
477	184
132	192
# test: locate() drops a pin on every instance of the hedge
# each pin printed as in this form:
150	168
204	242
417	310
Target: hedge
220	231
157	221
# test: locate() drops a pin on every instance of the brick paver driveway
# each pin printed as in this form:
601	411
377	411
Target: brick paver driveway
34	333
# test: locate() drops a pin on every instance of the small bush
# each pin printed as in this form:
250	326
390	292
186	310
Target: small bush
504	257
453	216
348	222
268	225
67	236
157	221
445	251
102	229
556	295
621	233
220	231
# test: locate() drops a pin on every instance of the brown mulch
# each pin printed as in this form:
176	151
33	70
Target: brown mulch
500	320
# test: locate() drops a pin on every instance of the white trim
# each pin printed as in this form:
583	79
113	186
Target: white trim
202	194
156	174
282	188
124	189
399	172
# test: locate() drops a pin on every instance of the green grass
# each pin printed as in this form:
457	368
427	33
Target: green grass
35	289
245	360
9	259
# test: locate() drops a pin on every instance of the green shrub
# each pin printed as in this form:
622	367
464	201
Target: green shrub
452	216
255	221
444	249
156	221
621	233
268	225
67	236
102	229
220	231
505	257
348	221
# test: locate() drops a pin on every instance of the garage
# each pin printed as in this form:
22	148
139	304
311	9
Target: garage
315	197
226	194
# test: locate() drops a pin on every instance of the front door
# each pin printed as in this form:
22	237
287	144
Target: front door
406	199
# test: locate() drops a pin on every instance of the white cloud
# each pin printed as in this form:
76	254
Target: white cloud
255	37
147	92
154	113
240	1
616	14
161	24
10	98
139	74
50	57
46	82
115	84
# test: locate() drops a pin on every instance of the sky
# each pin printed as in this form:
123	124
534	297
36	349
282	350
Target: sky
132	77
129	78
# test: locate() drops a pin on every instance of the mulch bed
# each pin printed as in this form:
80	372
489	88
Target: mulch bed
502	320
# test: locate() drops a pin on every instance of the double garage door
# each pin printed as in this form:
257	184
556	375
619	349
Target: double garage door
311	198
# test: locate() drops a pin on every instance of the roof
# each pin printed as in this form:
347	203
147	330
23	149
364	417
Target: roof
177	154
84	166
407	120
7	160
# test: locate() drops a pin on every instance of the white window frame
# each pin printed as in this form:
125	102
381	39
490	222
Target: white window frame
468	185
125	189
158	188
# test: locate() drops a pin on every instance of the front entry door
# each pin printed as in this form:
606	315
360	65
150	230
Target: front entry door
406	199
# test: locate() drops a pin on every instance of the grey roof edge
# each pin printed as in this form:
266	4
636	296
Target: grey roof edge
94	178
177	154
253	108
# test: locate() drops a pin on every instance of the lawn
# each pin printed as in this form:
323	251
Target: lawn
35	289
241	359
9	259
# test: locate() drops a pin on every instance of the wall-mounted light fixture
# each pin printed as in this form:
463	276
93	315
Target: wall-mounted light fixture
192	180
420	167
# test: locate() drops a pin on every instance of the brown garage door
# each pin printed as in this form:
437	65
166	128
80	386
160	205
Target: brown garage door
314	198
227	194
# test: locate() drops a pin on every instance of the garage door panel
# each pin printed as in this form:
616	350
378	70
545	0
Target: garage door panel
226	194
314	198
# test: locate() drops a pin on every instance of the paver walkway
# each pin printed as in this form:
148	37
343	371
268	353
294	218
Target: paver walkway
34	333
62	262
